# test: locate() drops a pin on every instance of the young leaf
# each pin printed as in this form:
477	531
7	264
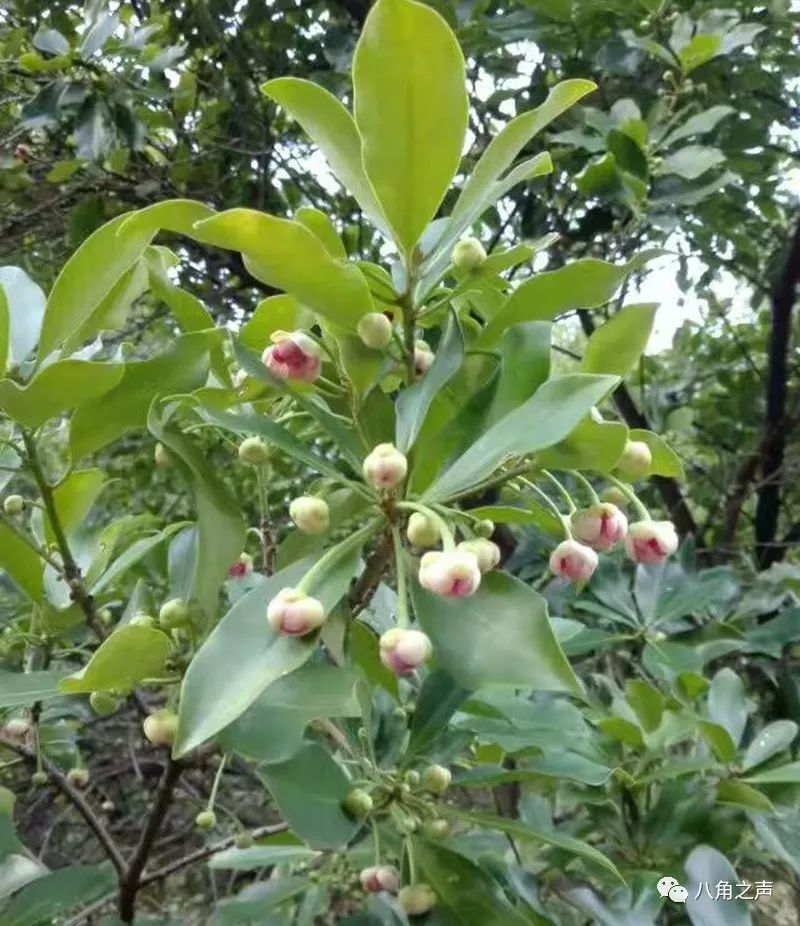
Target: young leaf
727	703
25	304
774	738
708	866
130	654
617	345
22	689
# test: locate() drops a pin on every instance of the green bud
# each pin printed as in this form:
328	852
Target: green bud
254	451
39	778
399	713
436	779
14	505
142	620
412	778
484	528
106	616
416	899
78	777
174	614
468	254
103	703
162	457
160	727
244	841
436	829
635	461
358	804
206	820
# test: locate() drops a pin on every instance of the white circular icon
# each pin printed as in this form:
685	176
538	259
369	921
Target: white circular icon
665	885
678	894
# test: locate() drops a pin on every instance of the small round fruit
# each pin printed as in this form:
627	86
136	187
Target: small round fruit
142	620
254	451
160	728
244	840
39	778
437	829
206	820
468	254
78	777
358	804
103	703
14	505
484	528
416	899
174	614
375	330
436	779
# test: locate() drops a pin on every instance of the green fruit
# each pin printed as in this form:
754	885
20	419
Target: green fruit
358	803
412	778
244	841
14	505
206	820
416	899
436	829
254	451
436	779
484	528
174	614
143	620
103	703
106	616
39	778
160	728
78	777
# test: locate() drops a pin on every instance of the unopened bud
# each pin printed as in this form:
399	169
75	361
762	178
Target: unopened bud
293	355
142	620
437	829
402	651
174	614
254	451
160	727
106	616
436	779
241	568
651	541
635	461
615	496
422	531
39	778
385	467
294	613
484	528
468	254
375	330
423	358
451	573
13	505
311	515
358	803
103	703
573	561
486	552
162	457
416	899
600	526
412	778
380	878
205	820
78	777
17	728
244	840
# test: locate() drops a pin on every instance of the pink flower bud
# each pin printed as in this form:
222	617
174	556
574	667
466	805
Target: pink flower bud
421	531
452	574
310	514
573	561
385	467
293	355
380	878
241	568
403	650
423	358
600	526
635	461
486	552
651	541
375	330
295	613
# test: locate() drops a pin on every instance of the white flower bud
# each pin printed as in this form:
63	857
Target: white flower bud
294	613
487	553
385	467
402	651
651	541
468	254
600	526
375	330
422	531
310	514
573	561
635	461
452	574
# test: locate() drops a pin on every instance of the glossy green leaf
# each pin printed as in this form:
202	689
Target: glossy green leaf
21	563
569	765
22	689
56	389
692	161
411	138
48	898
782	775
731	791
319	222
128	655
275	313
501	635
413	403
706	865
583	284
546	418
524	365
622	730
286	254
617	345
126	560
647	703
774	738
102	259
439	698
593	445
257	857
73	498
665	461
699	124
719	739
535	514
112	310
779	833
727	703
309	790
331	127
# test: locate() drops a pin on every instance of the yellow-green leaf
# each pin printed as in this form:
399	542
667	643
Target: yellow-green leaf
130	654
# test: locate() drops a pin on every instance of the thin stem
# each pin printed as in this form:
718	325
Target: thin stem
643	513
400	568
448	541
579	477
376	838
562	490
217	779
329	384
412	862
549	503
409	330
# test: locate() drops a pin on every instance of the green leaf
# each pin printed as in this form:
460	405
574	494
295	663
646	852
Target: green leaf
21	689
525	833
364	651
113	308
583	284
699	124
319	222
594	445
309	790
524	366
735	792
57	389
25	303
58	892
21	563
275	313
101	260
411	138
535	514
700	49
692	161
439	698
285	254
5	331
413	403
128	655
559	765
782	775
779	833
665	461
708	866
50	41
331	127
647	703
616	346
257	857
774	738
727	703
501	635
719	739
182	367
129	558
622	730
547	417
271	729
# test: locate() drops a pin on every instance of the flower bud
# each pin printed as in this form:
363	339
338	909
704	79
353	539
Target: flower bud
293	355
380	878
422	531
205	820
485	552
142	620
103	703
436	779
358	803
484	528
375	330
295	613
174	614
402	651
17	728
239	378
254	451
244	840
13	505
468	254
78	777
423	358
385	467
573	561
160	727
452	574
635	461
106	616
162	457
310	514
615	496
600	526
416	899
651	541
241	568
437	829
411	778
39	778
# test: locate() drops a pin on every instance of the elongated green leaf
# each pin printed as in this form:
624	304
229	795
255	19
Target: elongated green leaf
48	898
617	345
21	689
25	302
258	857
130	557
665	461
731	791
411	138
584	284
5	331
286	254
524	366
130	654
74	497
439	698
547	417
56	389
319	222
706	865
782	775
594	445
331	127
774	738
101	260
309	790
727	703
719	739
499	636
569	765
413	403
21	563
534	514
647	703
